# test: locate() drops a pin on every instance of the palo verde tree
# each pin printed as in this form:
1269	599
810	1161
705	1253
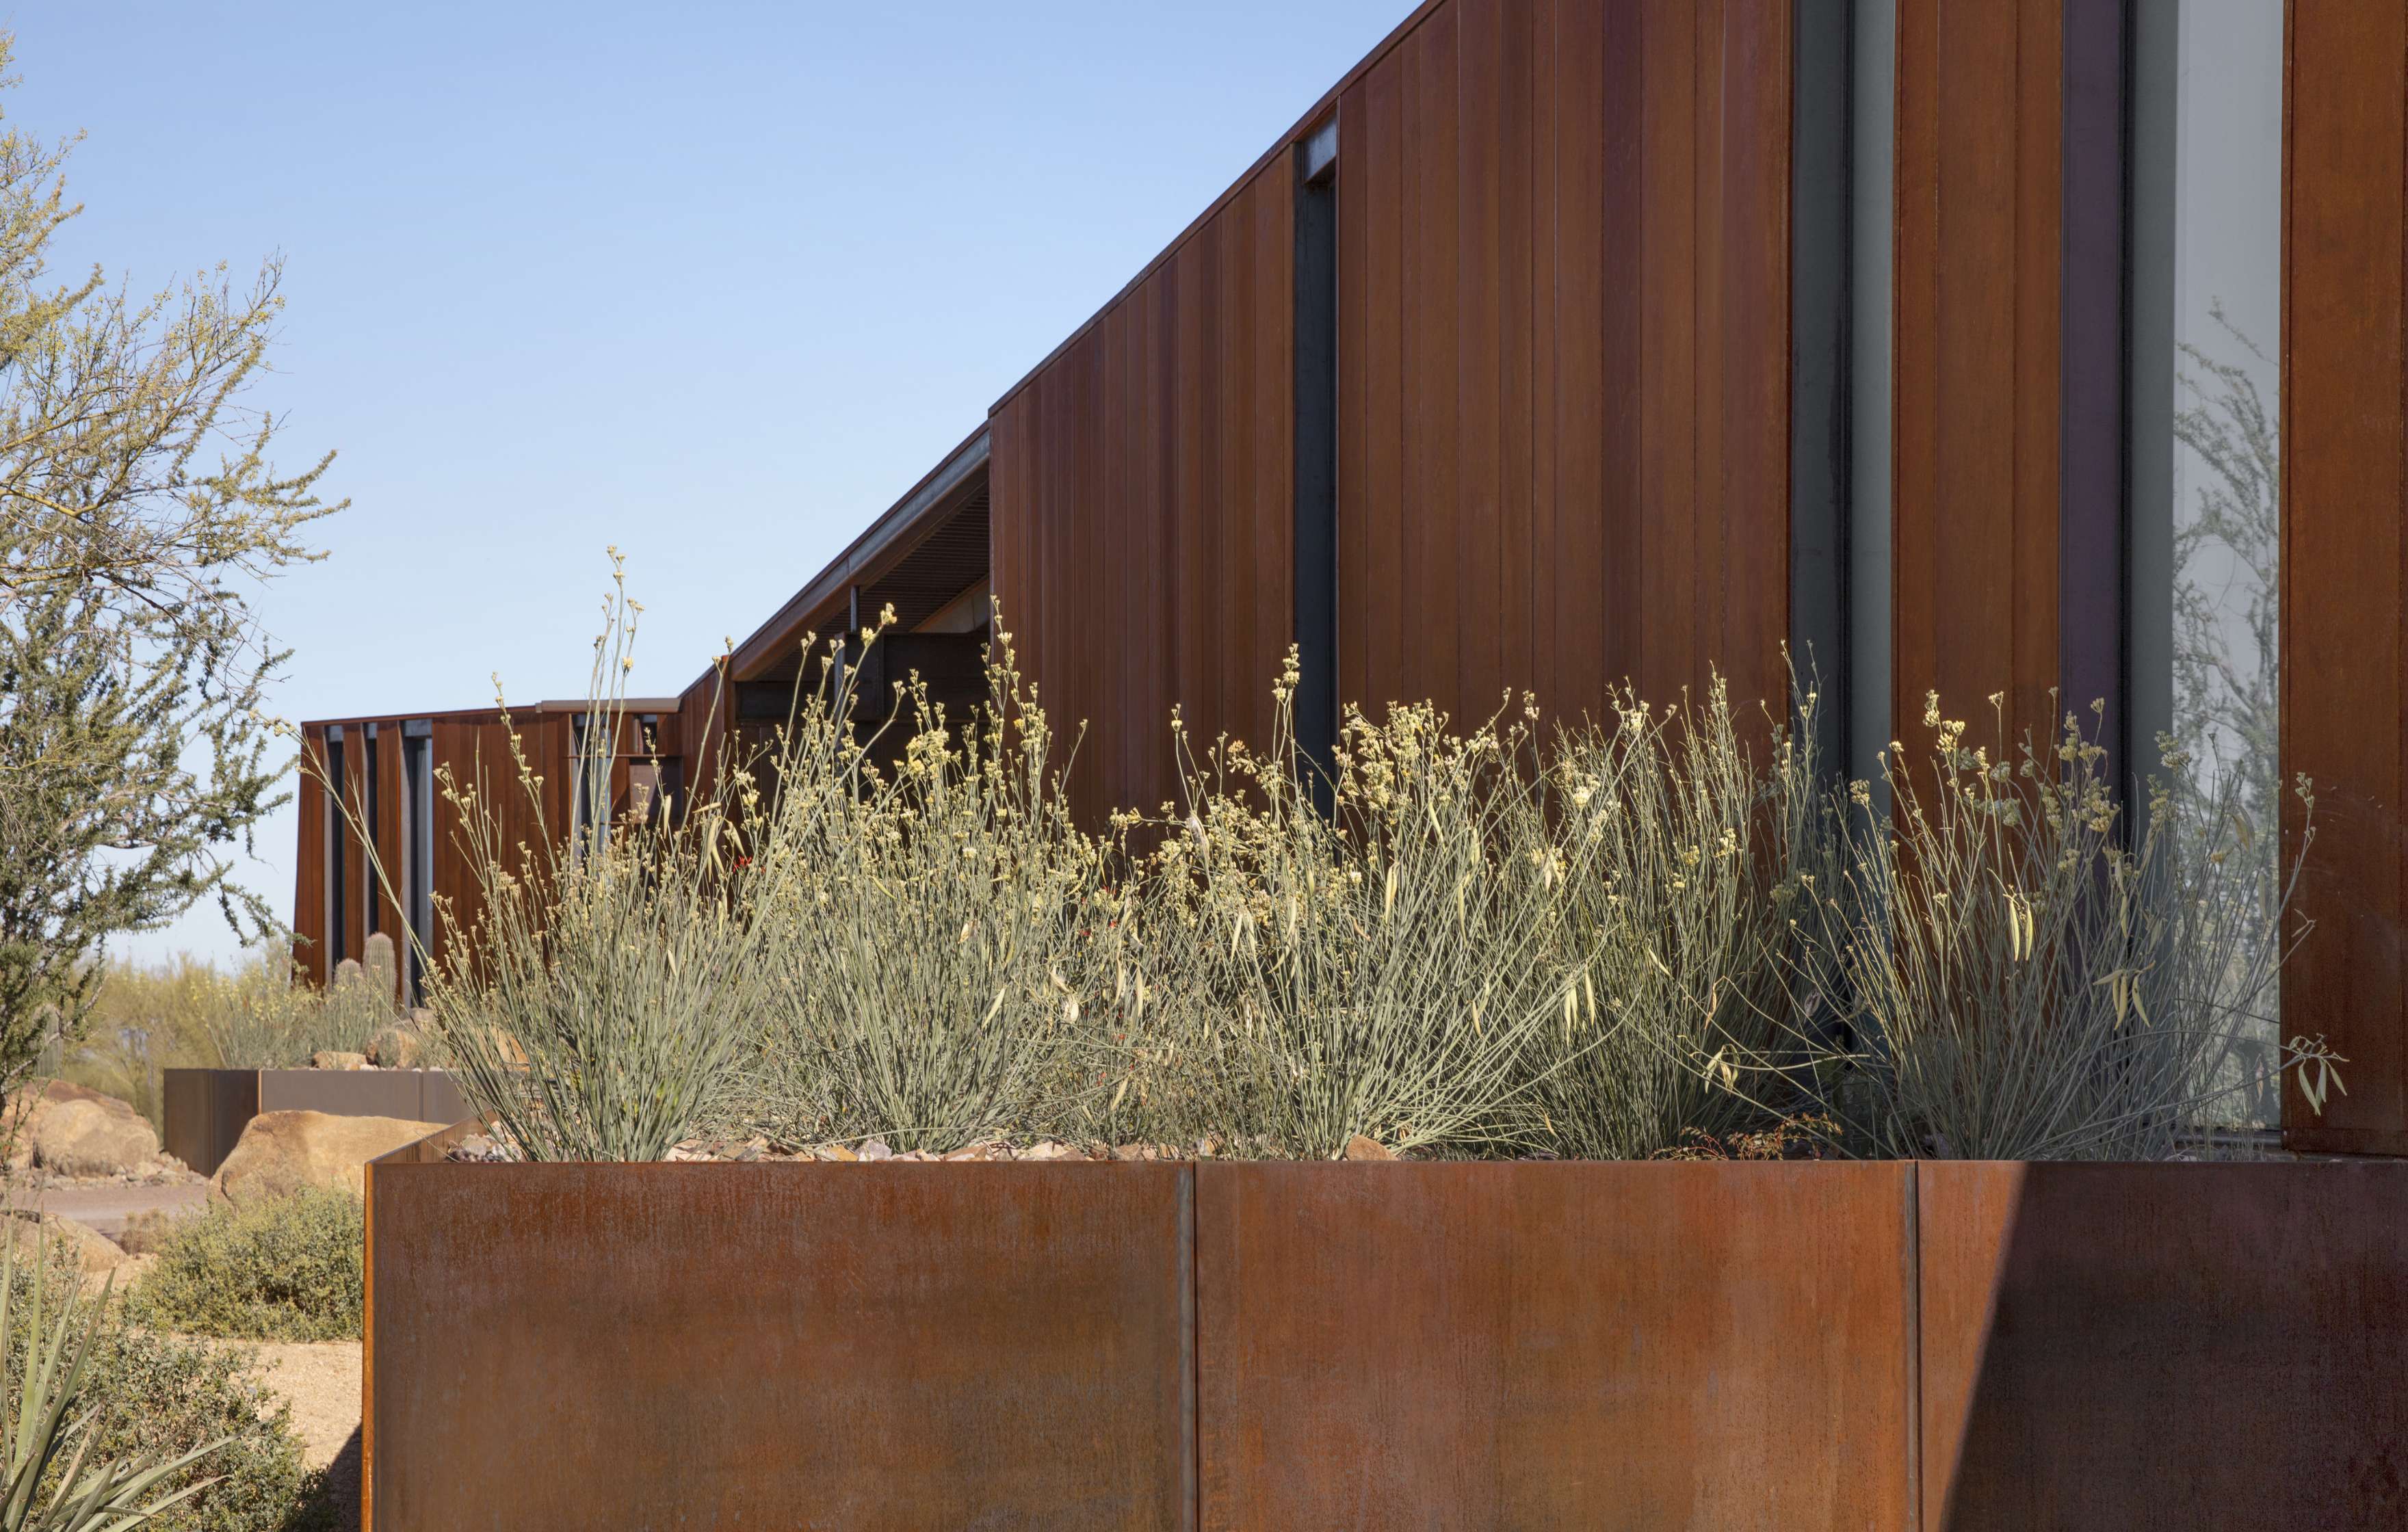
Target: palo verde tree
139	511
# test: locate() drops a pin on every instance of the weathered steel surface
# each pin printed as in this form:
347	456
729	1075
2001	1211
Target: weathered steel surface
2176	1346
1548	1346
419	1095
203	1112
781	1345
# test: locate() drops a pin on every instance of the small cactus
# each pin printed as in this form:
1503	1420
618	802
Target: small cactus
383	973
350	975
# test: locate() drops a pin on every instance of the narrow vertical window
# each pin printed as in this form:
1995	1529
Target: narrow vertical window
1820	235
372	820
1872	155
338	831
418	840
1316	453
2205	328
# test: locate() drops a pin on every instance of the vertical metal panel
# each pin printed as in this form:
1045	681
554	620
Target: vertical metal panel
1822	221
203	1113
309	861
2092	511
1565	399
1975	515
2344	592
1470	1346
1142	506
2194	1346
871	1346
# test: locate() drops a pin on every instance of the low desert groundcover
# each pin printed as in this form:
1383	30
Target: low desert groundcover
1616	939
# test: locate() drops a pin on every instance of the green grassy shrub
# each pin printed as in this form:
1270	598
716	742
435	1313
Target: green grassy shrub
158	1396
287	1269
167	1395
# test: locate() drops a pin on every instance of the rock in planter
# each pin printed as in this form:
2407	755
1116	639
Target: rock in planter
396	1047
99	1138
282	1152
332	1059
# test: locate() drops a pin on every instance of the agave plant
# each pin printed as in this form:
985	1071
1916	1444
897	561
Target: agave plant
49	1418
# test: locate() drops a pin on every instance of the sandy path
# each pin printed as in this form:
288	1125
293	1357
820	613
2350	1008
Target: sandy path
322	1379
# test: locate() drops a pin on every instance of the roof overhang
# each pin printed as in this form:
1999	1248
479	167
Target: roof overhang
888	541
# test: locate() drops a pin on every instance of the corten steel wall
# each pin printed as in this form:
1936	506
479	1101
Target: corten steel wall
1142	523
1554	1345
1877	1346
1563	448
206	1109
2344	582
203	1112
2164	1345
759	1345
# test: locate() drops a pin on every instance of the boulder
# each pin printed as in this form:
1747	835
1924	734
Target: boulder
1362	1147
103	1138
282	1152
94	1253
332	1059
26	1109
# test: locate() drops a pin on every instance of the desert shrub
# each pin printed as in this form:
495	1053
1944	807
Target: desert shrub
931	931
283	1269
2031	976
1684	845
185	1013
167	1393
601	1001
1613	940
1385	966
157	1397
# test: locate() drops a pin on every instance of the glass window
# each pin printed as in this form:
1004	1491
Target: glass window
2207	262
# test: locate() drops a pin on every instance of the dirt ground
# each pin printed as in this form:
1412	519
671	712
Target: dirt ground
106	1207
322	1379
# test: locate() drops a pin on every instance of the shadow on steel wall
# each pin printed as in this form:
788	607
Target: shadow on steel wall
2186	1346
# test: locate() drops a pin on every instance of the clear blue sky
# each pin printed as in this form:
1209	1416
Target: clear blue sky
711	282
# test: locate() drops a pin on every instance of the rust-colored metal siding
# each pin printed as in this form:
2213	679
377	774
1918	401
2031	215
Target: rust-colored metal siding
1474	1346
309	859
1563	395
658	1345
1977	396
1142	519
1563	403
2344	589
475	749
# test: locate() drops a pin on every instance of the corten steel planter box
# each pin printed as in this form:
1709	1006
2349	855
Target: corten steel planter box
1886	1346
204	1111
777	1345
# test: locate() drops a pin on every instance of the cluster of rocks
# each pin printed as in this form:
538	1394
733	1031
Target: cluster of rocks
72	1133
402	1047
